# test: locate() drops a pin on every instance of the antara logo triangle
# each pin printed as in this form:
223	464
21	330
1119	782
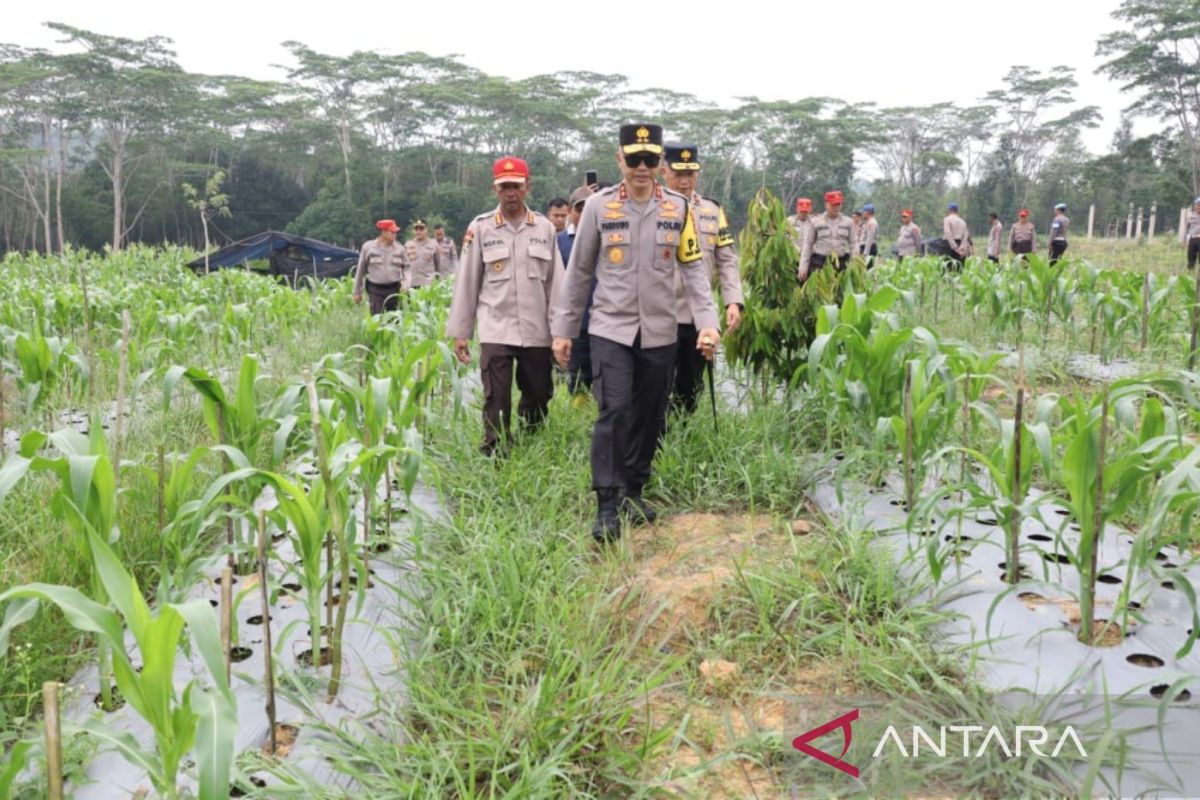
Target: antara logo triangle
843	722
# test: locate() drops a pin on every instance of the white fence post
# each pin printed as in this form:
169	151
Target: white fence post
1129	223
1091	219
1138	232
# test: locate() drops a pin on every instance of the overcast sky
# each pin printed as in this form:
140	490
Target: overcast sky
889	51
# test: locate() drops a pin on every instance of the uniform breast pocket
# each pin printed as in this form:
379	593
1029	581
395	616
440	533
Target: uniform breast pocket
615	251
497	264
541	259
666	242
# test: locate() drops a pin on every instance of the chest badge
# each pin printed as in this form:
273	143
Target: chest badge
497	266
667	205
616	255
613	205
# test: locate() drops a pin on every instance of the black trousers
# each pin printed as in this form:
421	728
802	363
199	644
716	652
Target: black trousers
1193	252
689	371
534	379
631	385
579	367
1057	248
1023	246
383	297
817	261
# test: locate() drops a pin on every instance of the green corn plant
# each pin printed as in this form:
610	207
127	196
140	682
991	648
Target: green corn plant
42	362
201	718
1173	507
925	421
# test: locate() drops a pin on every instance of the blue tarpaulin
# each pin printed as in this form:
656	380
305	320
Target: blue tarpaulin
289	255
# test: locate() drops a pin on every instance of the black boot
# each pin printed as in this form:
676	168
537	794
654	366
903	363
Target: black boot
635	509
607	527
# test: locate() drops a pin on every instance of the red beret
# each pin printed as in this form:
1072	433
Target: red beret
834	197
906	213
510	169
387	225
803	204
1024	212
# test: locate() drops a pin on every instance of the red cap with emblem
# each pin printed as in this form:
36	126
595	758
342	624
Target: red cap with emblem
1024	212
387	225
509	169
834	198
804	204
906	213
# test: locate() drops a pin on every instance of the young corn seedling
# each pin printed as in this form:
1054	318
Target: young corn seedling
201	718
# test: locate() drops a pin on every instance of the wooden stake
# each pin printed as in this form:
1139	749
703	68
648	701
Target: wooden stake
227	617
1191	362
908	436
1018	492
1088	595
54	758
87	335
122	380
1145	310
268	655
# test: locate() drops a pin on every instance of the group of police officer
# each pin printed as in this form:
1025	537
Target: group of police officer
643	261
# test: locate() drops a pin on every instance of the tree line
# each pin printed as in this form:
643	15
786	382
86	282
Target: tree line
107	140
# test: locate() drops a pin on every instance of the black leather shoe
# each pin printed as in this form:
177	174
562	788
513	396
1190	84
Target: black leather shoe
607	527
637	510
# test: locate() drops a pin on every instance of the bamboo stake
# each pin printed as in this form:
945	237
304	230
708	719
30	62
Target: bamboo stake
229	464
227	617
908	436
1145	310
1089	594
268	655
87	335
1018	492
54	758
1191	363
122	380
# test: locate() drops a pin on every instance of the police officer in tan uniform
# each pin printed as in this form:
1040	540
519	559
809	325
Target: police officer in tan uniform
447	252
800	220
830	238
633	237
1058	233
908	242
868	234
424	255
682	173
1022	236
956	234
1192	235
382	269
995	236
509	266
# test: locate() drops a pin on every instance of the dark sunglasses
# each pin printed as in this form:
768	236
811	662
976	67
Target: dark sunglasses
635	160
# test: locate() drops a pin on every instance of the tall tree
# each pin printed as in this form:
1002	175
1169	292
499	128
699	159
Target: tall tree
1156	55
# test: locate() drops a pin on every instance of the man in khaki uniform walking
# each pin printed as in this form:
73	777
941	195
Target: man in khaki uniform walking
868	234
956	234
382	269
633	237
995	236
509	266
1192	235
424	255
1022	236
682	174
1058	233
800	221
830	237
447	252
908	242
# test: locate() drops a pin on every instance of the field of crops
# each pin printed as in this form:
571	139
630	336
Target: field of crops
160	426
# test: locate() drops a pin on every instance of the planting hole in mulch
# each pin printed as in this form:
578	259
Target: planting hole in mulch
354	582
1076	527
1160	556
839	456
1062	512
1145	660
1168	585
326	630
1161	690
987	521
950	537
1135	605
238	790
1112	580
118	702
1169	565
897	503
279	537
232	580
1057	558
292	588
257	619
1031	599
926	532
305	658
239	654
333	601
285	738
214	603
1022	571
1040	537
1106	634
960	552
381	547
